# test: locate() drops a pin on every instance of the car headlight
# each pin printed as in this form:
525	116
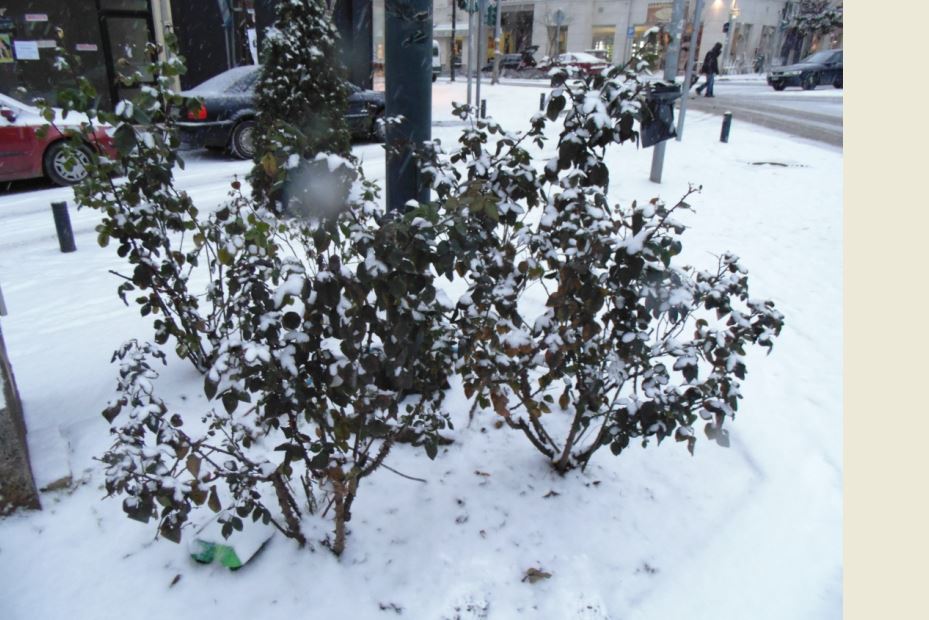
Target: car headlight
791	73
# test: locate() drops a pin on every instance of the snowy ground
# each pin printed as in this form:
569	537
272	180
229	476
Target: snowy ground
753	531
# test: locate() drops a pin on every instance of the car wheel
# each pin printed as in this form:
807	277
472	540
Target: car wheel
66	166
837	82
809	81
435	76
379	128
242	141
778	86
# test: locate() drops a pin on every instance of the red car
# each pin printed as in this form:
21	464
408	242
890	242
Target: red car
581	62
24	155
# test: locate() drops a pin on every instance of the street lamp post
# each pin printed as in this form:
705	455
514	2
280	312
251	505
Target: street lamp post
733	15
689	69
670	73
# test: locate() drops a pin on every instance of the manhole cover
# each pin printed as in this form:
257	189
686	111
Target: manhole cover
777	163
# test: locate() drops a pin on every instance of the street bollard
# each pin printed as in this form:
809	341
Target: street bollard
63	226
727	123
541	102
483	108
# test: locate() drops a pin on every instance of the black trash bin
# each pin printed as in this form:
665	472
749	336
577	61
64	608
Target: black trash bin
657	122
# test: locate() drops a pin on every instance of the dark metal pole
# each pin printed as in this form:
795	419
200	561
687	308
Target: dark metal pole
471	38
481	11
451	54
408	73
497	49
541	102
362	56
727	123
63	227
483	108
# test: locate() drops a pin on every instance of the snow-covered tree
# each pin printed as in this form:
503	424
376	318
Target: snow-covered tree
301	95
817	17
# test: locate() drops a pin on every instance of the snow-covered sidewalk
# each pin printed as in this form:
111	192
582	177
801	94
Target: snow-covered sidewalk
753	531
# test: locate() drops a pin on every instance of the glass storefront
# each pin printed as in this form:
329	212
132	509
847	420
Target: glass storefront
103	36
603	40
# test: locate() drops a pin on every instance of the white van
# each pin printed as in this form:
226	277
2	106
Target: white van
436	60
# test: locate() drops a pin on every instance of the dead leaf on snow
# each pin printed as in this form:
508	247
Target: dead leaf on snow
536	574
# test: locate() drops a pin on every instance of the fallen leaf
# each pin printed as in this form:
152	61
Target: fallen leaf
536	574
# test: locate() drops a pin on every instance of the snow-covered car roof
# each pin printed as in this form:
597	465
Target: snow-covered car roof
583	57
31	116
226	80
10	102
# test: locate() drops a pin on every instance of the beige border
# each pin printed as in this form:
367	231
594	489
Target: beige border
887	429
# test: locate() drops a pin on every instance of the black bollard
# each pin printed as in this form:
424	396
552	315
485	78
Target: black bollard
483	108
541	102
727	123
63	227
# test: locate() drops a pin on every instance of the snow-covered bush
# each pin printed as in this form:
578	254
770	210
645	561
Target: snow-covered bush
629	344
323	339
335	338
154	225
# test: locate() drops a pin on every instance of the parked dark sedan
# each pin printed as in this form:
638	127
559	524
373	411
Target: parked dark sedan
507	61
227	118
823	67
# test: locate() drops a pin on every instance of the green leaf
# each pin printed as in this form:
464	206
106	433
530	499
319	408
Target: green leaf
193	465
213	502
209	387
171	531
230	401
291	320
112	411
125	139
225	257
555	106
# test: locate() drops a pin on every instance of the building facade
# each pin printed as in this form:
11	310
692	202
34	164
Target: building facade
104	36
109	37
756	35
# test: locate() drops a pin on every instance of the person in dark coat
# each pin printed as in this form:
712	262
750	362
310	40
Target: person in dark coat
710	69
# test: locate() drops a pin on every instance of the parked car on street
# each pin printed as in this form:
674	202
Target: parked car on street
580	62
507	61
824	67
601	54
24	155
226	120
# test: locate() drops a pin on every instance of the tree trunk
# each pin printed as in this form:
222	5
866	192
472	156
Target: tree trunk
17	486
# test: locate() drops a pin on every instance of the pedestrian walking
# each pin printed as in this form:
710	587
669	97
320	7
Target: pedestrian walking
710	68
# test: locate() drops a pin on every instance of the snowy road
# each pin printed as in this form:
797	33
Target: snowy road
816	114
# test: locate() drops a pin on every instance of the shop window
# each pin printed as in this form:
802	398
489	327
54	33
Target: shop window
603	40
124	5
557	40
517	29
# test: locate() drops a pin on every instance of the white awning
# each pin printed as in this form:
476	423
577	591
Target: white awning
445	30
